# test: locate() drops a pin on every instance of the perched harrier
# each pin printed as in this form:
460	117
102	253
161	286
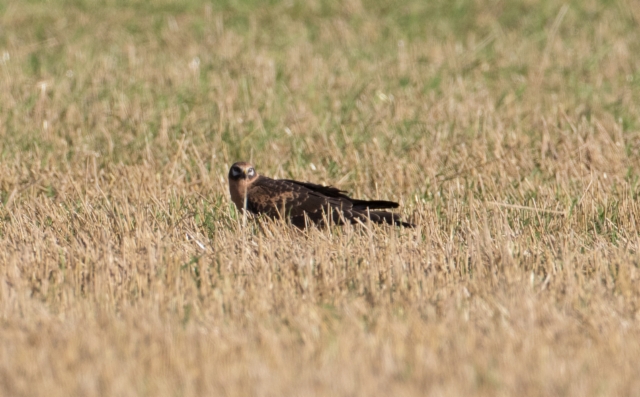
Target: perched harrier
275	197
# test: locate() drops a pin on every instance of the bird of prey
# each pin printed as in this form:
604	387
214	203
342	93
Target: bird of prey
303	202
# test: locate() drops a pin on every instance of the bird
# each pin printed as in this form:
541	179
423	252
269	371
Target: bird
303	203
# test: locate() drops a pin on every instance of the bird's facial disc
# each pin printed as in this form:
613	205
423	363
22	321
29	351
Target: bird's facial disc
242	171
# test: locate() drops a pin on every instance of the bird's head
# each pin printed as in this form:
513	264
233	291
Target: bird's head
242	170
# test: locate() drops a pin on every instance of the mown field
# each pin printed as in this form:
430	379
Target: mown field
509	131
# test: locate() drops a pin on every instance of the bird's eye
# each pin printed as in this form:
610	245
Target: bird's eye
235	171
251	172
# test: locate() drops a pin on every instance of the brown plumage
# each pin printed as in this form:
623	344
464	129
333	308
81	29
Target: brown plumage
277	197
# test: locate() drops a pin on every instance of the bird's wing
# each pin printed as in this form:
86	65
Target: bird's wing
328	191
300	200
333	192
273	196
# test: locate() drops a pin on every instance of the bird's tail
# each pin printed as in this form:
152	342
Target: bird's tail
384	217
362	205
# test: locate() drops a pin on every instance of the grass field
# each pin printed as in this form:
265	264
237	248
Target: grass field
509	131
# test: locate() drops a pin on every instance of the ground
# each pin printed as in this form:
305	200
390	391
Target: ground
509	131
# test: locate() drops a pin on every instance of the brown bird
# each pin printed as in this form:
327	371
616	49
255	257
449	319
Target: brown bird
277	197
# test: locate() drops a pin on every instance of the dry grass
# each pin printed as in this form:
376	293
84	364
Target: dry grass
508	130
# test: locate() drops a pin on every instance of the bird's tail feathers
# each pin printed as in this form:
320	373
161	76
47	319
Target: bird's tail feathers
373	204
384	217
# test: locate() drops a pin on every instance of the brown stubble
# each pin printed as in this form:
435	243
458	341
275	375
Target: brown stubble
125	269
